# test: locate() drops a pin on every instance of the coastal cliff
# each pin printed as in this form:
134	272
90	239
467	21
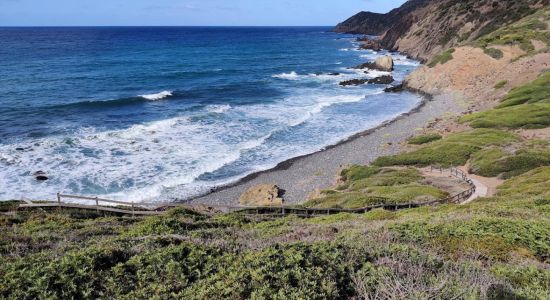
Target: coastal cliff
423	28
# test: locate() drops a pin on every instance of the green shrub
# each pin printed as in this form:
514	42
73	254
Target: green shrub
442	58
494	53
424	139
357	172
388	177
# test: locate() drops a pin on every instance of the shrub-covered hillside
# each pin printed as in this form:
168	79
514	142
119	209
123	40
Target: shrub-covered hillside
493	248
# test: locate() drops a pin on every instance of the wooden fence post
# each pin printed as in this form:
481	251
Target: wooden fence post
59	201
97	204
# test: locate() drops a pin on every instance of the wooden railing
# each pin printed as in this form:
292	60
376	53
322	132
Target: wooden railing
140	209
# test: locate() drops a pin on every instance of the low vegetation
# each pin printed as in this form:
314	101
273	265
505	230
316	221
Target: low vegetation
522	33
506	163
453	150
442	58
524	107
494	248
494	53
424	139
365	186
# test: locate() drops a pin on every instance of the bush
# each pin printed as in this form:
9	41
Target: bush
424	139
357	172
442	58
494	53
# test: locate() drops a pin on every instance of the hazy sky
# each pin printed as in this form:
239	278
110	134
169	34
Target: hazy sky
184	12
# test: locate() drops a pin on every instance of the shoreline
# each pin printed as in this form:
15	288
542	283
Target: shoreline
299	176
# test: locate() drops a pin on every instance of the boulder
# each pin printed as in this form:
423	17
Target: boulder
385	79
354	82
384	63
261	195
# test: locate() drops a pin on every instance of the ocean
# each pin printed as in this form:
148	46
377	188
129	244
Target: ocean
168	113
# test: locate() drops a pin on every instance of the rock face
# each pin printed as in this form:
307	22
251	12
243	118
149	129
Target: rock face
354	82
385	79
261	195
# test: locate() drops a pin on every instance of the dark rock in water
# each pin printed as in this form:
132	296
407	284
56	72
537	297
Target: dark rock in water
385	79
354	82
38	173
367	65
41	178
394	89
334	74
20	149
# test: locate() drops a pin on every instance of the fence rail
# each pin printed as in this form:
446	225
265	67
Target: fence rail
146	209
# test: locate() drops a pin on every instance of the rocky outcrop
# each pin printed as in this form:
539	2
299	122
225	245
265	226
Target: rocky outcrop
384	63
394	89
261	195
40	176
354	82
385	79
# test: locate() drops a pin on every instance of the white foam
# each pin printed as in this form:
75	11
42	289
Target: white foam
218	109
157	96
289	76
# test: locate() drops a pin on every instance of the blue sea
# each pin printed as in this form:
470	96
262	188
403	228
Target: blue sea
166	113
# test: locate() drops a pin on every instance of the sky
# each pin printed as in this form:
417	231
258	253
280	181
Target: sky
185	12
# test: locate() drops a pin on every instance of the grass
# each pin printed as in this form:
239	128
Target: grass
424	139
442	58
454	150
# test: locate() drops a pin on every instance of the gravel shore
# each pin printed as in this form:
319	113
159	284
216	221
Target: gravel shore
300	176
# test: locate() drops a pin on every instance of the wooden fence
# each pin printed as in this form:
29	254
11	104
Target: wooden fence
145	209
